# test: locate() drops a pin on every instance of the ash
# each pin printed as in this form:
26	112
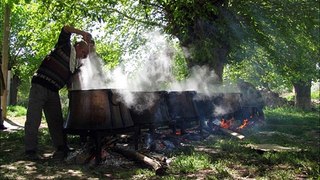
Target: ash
86	154
115	159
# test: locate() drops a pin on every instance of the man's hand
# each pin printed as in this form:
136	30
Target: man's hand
85	35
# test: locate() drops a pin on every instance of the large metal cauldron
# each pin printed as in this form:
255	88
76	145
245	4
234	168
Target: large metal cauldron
99	109
182	109
155	114
204	106
181	106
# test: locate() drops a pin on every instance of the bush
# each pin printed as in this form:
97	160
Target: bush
315	94
16	111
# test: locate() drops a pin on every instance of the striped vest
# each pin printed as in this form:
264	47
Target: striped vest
54	71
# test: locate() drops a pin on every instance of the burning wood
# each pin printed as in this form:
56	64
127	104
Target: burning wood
226	123
227	131
244	124
87	154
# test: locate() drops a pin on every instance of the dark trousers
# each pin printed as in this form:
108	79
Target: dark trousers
43	99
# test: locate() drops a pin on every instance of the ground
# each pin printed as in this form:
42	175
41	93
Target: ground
254	157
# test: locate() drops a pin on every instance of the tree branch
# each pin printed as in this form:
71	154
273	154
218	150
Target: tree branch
152	23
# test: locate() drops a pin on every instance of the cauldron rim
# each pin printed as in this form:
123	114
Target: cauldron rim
73	90
114	89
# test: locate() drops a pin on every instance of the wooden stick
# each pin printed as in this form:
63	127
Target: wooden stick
160	170
232	133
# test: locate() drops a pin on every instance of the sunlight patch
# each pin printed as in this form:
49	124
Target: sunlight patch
75	172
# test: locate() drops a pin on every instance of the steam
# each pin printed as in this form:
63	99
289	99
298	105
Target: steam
148	69
90	75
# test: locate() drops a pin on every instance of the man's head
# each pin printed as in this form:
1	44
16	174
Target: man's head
82	49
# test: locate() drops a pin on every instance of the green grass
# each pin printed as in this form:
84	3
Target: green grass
219	157
293	122
191	163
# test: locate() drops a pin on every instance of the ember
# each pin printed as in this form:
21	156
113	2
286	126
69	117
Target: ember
244	124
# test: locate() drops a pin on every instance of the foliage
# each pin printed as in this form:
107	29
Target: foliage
1	22
33	35
64	99
256	69
316	94
278	40
207	30
289	33
110	53
180	68
16	111
290	97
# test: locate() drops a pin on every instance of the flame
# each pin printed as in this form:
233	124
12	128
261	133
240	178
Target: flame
178	132
225	123
244	124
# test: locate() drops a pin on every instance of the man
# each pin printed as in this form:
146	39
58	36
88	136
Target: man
53	74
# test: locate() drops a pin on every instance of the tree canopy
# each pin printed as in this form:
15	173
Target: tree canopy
289	32
279	37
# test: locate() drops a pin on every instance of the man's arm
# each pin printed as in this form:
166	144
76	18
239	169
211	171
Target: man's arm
86	36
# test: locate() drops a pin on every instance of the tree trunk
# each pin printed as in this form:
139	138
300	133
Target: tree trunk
217	68
14	90
5	56
222	52
302	95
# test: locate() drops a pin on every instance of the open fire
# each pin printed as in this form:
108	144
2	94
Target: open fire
172	121
232	124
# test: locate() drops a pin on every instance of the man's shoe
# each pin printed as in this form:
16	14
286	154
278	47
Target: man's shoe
62	152
32	155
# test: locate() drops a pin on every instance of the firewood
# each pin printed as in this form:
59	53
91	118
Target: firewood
232	133
130	154
273	148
